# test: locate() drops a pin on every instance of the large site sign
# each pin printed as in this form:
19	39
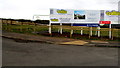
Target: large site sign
83	16
89	18
74	16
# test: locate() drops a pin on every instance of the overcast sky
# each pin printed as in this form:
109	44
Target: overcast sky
25	9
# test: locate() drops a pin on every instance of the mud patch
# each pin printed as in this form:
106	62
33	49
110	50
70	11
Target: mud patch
81	37
79	42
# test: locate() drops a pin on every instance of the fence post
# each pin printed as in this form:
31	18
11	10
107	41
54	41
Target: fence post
50	28
90	31
71	32
110	31
81	31
98	31
60	28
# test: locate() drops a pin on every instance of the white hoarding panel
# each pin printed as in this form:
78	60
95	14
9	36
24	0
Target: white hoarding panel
93	16
62	15
60	12
86	16
61	19
111	15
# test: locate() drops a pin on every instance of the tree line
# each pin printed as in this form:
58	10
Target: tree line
25	20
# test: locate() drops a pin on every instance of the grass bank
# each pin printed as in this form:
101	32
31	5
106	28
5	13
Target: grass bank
38	29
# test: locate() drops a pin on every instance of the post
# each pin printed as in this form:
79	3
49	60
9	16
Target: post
98	31
71	30
90	31
81	31
110	31
60	28
50	28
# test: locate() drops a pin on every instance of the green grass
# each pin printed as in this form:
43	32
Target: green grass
29	29
23	28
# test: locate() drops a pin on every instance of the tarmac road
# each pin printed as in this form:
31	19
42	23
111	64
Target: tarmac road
44	54
0	51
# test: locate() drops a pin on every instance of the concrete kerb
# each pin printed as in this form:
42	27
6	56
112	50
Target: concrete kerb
103	45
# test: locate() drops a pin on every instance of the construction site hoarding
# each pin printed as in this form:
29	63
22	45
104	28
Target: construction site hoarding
83	16
74	16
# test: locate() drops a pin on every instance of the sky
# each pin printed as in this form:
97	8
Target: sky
25	9
81	12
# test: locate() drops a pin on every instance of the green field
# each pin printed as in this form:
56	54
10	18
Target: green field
31	29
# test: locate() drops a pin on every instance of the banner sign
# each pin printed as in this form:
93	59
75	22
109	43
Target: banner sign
74	16
105	22
88	25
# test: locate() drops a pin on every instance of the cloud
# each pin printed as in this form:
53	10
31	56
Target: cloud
27	8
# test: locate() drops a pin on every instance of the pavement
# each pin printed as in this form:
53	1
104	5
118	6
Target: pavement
60	41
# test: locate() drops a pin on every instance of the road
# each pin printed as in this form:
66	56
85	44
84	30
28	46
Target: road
0	51
44	54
